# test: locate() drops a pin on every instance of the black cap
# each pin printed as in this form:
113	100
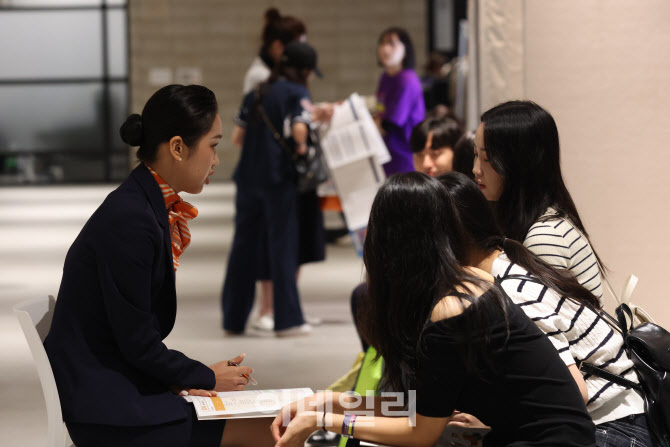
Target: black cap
300	55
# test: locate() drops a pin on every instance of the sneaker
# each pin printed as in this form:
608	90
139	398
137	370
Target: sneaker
264	323
295	331
314	321
323	439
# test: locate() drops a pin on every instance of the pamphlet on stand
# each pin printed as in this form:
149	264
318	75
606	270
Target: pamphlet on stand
354	151
246	404
352	135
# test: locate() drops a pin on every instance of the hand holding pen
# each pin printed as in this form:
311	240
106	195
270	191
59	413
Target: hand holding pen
246	376
232	378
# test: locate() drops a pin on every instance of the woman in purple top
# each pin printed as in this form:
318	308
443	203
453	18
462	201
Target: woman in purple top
401	96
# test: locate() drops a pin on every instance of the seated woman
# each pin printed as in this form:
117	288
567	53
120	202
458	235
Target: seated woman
563	309
518	168
450	333
119	385
439	146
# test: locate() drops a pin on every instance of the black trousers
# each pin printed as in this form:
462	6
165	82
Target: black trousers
189	432
269	212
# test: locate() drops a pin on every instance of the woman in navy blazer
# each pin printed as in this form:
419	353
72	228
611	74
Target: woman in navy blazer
118	383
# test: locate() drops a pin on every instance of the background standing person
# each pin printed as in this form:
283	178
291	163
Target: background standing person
434	82
117	300
279	31
266	201
400	95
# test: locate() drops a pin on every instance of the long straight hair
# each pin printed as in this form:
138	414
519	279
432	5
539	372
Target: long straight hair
412	254
521	142
482	233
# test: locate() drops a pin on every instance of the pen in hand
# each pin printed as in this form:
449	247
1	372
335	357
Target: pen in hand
246	376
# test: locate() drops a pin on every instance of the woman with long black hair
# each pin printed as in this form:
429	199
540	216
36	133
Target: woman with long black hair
517	166
563	309
449	333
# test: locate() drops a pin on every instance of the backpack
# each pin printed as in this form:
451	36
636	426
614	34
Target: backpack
648	346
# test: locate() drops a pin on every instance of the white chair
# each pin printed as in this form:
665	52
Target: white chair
35	318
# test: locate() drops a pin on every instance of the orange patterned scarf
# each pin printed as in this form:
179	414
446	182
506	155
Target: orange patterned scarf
179	213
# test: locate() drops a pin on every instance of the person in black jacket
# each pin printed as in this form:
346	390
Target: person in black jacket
117	381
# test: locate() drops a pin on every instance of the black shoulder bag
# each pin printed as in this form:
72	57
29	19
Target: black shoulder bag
310	168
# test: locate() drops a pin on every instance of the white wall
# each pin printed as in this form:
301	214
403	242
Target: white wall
601	67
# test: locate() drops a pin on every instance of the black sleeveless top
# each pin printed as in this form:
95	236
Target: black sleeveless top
525	393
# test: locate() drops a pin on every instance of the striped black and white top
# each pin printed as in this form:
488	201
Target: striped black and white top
578	333
559	243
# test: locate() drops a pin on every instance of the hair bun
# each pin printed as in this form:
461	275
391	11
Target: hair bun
131	130
272	15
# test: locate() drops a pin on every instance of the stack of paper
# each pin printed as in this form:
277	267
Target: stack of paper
246	404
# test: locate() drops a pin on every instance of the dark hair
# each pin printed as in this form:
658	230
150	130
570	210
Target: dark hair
521	142
283	28
187	111
446	132
435	62
482	233
413	260
464	156
282	70
409	61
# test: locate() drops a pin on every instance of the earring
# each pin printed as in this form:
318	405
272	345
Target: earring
179	158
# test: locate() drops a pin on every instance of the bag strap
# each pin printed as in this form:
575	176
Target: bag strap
628	287
619	380
620	325
277	136
621	312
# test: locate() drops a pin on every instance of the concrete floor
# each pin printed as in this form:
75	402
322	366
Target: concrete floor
37	226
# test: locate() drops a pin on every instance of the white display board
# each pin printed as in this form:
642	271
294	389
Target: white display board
354	152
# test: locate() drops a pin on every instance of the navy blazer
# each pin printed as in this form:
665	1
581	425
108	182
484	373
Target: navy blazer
116	304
